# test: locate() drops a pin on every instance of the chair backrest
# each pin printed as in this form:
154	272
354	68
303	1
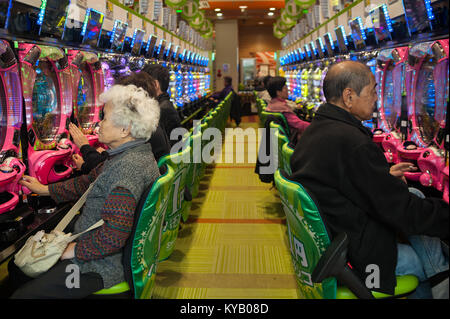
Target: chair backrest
179	162
286	154
278	118
140	256
308	237
281	139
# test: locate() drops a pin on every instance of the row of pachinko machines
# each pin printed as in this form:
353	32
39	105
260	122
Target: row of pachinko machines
411	123
42	89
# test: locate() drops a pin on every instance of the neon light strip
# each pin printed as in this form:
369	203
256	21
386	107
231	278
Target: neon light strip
86	19
42	12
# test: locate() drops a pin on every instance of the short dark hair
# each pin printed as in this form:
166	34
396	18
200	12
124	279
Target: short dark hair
141	80
275	84
160	73
266	80
228	79
354	76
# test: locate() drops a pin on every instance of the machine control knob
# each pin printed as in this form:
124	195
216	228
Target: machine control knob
426	154
426	179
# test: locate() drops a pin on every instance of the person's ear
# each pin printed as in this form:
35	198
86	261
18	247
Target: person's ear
347	97
126	132
158	87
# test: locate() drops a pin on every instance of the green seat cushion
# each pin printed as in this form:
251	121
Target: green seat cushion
405	285
117	289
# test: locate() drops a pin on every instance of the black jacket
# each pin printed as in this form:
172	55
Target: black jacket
337	161
159	142
169	118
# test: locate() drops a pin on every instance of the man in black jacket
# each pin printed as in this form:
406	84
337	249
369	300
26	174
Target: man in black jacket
358	193
169	118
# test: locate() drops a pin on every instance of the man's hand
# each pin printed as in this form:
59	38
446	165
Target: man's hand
78	160
34	185
398	170
78	137
69	253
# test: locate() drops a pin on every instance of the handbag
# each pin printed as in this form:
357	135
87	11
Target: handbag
42	251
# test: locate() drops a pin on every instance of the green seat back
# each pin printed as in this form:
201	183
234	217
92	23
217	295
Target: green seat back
280	117
286	154
308	238
281	139
179	162
147	236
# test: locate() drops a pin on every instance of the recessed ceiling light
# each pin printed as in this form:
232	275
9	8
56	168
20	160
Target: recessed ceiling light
219	14
217	9
243	7
270	13
260	22
272	9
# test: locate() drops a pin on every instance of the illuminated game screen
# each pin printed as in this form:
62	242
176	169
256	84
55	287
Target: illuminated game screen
137	41
23	20
342	40
92	27
4	8
329	44
418	14
381	23
358	34
46	113
159	52
151	45
320	48
118	37
53	18
85	102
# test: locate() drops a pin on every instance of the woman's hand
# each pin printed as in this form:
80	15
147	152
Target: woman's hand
78	160
34	185
398	170
78	137
69	253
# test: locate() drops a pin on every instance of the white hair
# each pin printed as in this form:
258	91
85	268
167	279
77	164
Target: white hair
133	108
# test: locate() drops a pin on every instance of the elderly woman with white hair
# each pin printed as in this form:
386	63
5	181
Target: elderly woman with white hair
130	118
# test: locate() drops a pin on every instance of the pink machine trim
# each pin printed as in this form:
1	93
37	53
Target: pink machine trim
11	167
429	159
42	159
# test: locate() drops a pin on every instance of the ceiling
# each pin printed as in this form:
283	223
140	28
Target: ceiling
255	13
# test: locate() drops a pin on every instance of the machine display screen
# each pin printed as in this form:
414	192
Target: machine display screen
4	9
329	44
150	45
342	39
23	20
46	113
392	97
92	27
161	49
85	102
3	118
425	107
118	36
320	48
314	54
358	34
136	44
381	23
52	18
168	52
418	14
307	52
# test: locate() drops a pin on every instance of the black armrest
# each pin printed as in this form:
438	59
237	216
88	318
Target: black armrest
333	263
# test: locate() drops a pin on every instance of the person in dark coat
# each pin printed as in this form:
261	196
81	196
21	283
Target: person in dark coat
358	193
170	119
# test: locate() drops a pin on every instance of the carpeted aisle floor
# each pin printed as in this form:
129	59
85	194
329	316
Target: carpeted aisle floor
234	244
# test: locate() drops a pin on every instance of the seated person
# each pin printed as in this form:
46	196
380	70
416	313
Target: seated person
130	118
91	157
258	84
219	96
359	194
169	119
264	94
279	104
